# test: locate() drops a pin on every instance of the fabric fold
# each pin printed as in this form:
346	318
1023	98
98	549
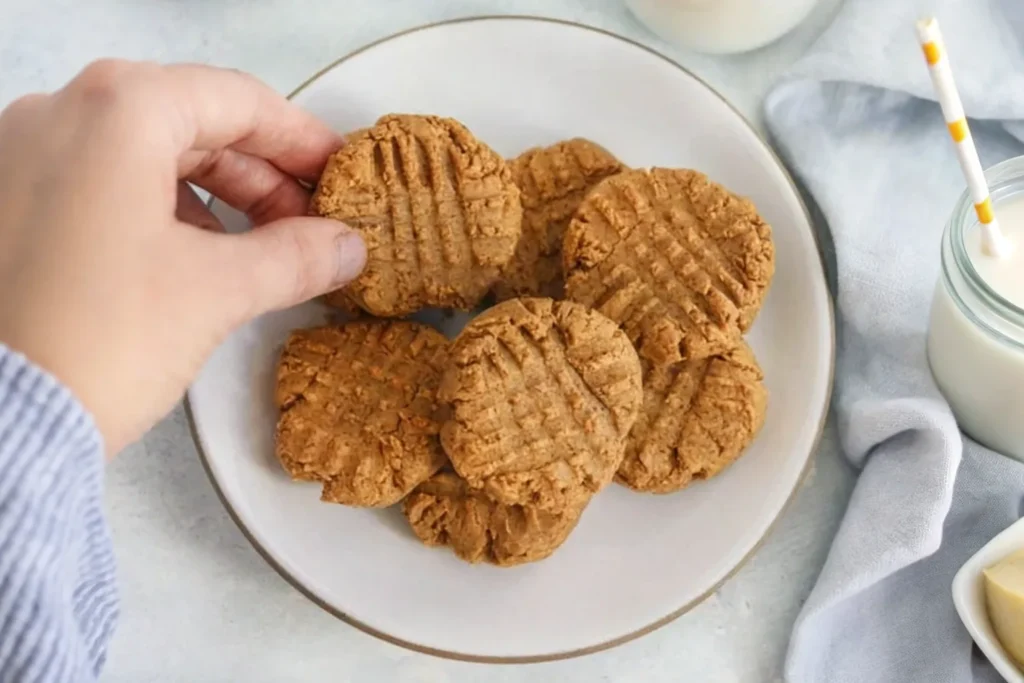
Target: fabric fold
856	122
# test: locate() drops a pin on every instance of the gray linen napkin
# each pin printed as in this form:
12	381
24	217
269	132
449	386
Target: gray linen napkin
857	123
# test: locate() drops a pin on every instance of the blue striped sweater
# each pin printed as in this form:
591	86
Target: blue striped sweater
58	595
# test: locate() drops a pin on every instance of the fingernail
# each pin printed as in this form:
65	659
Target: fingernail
351	257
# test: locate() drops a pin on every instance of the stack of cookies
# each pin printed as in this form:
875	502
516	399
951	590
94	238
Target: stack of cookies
615	350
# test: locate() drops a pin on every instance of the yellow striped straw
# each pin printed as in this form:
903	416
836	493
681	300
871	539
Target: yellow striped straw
992	239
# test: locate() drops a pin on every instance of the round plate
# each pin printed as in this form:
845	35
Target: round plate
635	561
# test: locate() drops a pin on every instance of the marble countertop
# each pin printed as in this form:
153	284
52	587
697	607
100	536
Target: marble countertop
198	602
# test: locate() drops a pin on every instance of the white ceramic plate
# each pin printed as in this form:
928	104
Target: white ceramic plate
969	598
635	561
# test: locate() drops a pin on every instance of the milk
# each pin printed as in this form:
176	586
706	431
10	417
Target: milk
721	26
1004	275
976	341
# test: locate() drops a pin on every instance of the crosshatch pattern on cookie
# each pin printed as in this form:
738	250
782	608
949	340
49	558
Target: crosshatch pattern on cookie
552	182
359	409
696	419
543	394
437	208
679	261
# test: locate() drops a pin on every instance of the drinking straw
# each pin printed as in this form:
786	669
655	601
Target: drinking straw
993	242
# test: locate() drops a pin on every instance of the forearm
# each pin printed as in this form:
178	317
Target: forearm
58	600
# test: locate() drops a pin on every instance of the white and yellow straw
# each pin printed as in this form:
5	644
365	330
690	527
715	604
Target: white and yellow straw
992	239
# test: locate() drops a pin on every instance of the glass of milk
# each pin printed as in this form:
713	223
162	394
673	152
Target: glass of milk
721	26
976	331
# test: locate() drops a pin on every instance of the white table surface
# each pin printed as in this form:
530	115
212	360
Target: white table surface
198	602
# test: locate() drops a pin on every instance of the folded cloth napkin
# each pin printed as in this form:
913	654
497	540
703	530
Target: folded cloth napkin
857	123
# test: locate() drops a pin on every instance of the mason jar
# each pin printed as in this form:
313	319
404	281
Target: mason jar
976	335
721	26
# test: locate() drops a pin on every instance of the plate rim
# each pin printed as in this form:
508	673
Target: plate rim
673	615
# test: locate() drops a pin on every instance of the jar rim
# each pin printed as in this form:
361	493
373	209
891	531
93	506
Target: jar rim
1005	179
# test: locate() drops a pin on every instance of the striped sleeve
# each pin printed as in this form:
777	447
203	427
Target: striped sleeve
58	599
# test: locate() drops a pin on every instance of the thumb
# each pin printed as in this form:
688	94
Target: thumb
292	260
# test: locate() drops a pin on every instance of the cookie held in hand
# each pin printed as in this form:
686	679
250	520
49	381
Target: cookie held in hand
437	208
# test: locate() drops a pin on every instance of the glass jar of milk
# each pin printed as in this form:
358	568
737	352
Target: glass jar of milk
721	26
976	332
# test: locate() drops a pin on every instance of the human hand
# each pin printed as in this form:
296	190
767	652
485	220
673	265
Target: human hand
114	276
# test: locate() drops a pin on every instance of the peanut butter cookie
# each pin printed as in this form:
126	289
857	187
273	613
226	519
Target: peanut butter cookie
552	182
679	261
444	510
340	300
697	417
359	409
543	394
355	134
437	208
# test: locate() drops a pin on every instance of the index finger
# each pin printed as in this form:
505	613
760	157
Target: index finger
220	108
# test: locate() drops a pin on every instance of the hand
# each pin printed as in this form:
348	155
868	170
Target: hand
113	275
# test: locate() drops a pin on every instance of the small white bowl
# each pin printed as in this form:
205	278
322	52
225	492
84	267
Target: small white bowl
969	598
